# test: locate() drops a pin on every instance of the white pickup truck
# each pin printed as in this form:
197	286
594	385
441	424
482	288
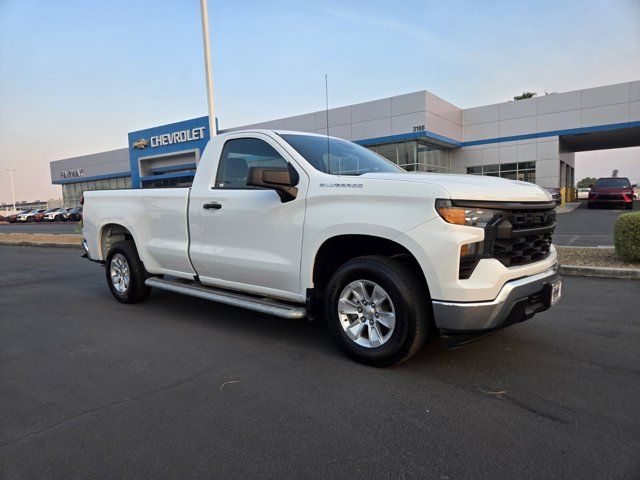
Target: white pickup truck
296	224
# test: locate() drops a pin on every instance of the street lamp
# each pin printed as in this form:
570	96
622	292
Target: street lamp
13	193
207	66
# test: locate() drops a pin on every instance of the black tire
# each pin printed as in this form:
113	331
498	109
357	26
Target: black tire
410	301
629	206
136	290
589	206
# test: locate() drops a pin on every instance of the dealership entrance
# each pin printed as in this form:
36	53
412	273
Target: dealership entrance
167	156
168	170
624	137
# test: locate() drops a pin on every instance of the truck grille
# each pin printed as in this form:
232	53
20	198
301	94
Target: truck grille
523	236
531	218
518	234
522	250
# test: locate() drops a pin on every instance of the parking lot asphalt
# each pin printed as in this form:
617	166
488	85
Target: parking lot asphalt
179	387
588	228
40	227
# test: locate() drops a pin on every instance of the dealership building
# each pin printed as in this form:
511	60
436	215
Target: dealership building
533	140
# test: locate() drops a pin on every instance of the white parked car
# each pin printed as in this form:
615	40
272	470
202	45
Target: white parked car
583	193
295	224
53	214
29	216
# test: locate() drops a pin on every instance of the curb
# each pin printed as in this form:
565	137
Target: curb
568	207
601	272
41	244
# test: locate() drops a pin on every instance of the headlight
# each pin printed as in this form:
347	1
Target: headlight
469	216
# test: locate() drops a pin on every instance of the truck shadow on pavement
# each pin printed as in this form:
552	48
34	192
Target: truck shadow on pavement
312	336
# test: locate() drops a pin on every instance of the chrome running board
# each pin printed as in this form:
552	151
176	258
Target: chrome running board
262	305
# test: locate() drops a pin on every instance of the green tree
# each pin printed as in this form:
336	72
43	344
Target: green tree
525	95
586	182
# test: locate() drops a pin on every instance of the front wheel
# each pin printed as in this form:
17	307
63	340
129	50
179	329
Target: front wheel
377	310
126	273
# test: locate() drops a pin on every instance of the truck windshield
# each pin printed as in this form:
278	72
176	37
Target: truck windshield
338	157
613	183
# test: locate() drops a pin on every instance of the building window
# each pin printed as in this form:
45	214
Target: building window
524	171
71	192
416	156
389	151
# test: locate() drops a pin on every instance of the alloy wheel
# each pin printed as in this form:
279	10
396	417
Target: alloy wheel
119	273
367	314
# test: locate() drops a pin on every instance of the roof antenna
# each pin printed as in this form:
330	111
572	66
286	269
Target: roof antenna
326	96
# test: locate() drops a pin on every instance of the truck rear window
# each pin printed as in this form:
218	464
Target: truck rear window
338	157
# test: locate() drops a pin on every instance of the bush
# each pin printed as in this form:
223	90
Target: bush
626	236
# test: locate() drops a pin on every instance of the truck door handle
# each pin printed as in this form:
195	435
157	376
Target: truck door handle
215	205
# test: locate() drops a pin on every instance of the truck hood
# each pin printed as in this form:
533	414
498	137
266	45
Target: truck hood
472	187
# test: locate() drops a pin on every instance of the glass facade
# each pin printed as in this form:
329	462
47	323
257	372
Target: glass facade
71	192
416	156
524	171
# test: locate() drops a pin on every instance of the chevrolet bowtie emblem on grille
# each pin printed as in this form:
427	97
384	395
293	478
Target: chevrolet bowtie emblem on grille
141	144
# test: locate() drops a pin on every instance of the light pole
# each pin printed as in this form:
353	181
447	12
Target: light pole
13	192
207	66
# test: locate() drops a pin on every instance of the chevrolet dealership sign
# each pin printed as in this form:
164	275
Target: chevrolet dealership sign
178	137
181	136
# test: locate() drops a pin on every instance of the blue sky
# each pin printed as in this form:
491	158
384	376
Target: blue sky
76	76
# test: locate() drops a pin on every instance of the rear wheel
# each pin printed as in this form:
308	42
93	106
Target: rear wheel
125	273
377	310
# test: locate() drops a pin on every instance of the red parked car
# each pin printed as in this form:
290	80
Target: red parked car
611	191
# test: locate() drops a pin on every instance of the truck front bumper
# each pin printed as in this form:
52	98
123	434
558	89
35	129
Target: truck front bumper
517	301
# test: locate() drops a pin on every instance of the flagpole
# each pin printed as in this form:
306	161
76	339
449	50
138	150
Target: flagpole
207	66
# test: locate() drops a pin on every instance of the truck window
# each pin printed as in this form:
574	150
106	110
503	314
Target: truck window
338	157
239	155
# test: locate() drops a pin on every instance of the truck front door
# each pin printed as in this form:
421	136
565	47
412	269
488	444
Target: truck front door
245	237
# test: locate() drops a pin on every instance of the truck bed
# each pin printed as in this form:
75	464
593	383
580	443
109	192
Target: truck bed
156	218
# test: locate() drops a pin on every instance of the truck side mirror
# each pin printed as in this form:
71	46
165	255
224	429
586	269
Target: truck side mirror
282	180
